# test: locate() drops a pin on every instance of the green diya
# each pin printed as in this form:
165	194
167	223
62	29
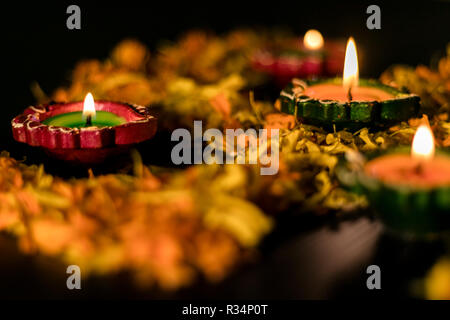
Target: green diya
409	188
348	102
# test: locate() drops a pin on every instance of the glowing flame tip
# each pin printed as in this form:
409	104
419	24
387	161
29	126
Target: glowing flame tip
351	72
423	143
313	40
89	106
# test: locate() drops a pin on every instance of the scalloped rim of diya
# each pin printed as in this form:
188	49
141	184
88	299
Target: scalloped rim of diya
84	145
290	63
401	207
351	115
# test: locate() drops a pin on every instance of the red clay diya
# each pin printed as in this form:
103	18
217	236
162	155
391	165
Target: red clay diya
348	102
84	132
410	189
309	58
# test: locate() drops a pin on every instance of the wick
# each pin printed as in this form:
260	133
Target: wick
419	169
349	94
88	121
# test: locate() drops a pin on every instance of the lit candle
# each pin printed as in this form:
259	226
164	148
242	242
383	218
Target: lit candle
349	90
409	189
419	169
347	102
86	118
84	132
351	74
89	109
311	57
423	144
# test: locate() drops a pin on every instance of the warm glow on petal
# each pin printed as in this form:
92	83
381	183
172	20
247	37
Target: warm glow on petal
89	106
423	143
351	73
313	40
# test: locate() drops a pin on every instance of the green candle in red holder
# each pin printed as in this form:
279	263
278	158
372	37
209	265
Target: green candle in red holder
86	132
89	117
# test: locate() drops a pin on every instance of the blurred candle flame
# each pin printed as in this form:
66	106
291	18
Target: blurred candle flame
423	143
313	40
89	106
351	73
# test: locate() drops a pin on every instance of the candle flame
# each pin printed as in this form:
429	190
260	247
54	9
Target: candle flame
423	143
313	40
89	106
351	73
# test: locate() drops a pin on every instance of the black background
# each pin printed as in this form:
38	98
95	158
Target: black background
37	46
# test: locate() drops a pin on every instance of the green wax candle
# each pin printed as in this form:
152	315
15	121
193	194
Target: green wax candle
76	120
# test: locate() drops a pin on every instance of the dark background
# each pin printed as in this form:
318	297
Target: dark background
329	258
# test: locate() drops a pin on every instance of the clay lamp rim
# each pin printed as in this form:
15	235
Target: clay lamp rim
352	115
298	86
293	58
402	207
29	128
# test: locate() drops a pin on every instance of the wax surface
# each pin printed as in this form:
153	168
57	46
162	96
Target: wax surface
76	120
329	91
402	169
